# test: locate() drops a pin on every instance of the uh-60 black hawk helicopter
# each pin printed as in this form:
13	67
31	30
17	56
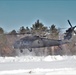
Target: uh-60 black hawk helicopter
30	42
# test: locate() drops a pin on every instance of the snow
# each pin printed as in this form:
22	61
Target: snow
53	58
31	58
34	58
39	71
38	65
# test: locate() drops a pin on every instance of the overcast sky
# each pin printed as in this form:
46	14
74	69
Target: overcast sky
17	13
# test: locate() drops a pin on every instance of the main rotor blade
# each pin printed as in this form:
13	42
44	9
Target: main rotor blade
69	23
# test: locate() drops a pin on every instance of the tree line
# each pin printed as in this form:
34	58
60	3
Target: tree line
37	28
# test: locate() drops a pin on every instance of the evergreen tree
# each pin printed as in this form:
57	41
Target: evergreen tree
13	32
54	32
1	30
38	28
22	30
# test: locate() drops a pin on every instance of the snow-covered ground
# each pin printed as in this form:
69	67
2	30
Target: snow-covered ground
41	65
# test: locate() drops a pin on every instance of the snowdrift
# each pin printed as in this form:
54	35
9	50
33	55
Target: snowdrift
38	65
35	58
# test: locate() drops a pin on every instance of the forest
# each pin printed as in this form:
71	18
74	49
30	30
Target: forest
8	39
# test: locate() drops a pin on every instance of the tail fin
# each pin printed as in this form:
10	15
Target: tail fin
68	36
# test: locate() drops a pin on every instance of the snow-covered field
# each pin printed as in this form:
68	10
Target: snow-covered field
41	65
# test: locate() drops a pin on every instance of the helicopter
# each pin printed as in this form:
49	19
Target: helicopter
30	42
